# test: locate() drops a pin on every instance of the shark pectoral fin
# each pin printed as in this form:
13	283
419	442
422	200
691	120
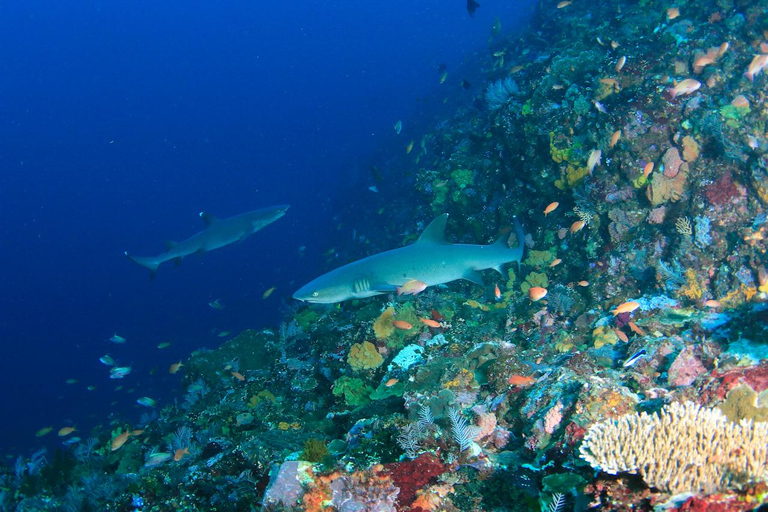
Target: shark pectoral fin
473	276
208	218
435	232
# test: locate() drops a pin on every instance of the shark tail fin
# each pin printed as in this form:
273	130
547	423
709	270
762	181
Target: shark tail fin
148	263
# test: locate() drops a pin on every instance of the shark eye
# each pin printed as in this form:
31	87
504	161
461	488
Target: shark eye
315	294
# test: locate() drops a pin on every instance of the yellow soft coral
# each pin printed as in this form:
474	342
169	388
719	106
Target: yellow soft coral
573	176
604	336
692	290
364	356
384	326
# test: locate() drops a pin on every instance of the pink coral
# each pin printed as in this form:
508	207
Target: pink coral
685	368
671	162
721	191
486	421
500	437
656	216
553	418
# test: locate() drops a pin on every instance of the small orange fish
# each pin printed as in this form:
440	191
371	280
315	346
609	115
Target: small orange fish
391	382
550	208
402	325
536	293
496	292
577	226
648	169
175	367
555	263
120	440
623	337
583	283
521	380
66	431
672	13
636	329
430	323
723	48
411	287
712	304
238	376
686	86
594	160
626	307
137	432
621	62
180	453
615	138
756	66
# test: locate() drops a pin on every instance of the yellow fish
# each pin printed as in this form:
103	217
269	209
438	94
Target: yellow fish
443	77
43	432
409	147
267	293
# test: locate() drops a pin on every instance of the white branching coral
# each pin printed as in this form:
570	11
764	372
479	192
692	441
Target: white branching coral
685	448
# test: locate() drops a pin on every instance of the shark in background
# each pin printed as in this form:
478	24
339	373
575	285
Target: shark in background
431	260
217	233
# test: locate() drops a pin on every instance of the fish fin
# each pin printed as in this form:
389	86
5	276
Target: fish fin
520	236
148	263
383	287
435	232
170	244
502	241
177	261
473	276
499	269
208	218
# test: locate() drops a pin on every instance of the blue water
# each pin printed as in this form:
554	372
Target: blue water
120	121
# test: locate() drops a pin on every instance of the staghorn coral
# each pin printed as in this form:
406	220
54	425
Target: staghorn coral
685	448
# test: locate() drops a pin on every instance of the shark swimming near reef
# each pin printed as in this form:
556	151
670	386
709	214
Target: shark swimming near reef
217	233
431	260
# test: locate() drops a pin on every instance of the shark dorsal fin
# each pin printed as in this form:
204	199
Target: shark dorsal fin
435	232
208	218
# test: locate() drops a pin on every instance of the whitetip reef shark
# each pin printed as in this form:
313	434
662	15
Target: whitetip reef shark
217	233
431	259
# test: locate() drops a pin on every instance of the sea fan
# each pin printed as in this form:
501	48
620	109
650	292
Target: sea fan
409	439
462	432
500	92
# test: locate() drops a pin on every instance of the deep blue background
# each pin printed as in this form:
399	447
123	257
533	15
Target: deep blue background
120	121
